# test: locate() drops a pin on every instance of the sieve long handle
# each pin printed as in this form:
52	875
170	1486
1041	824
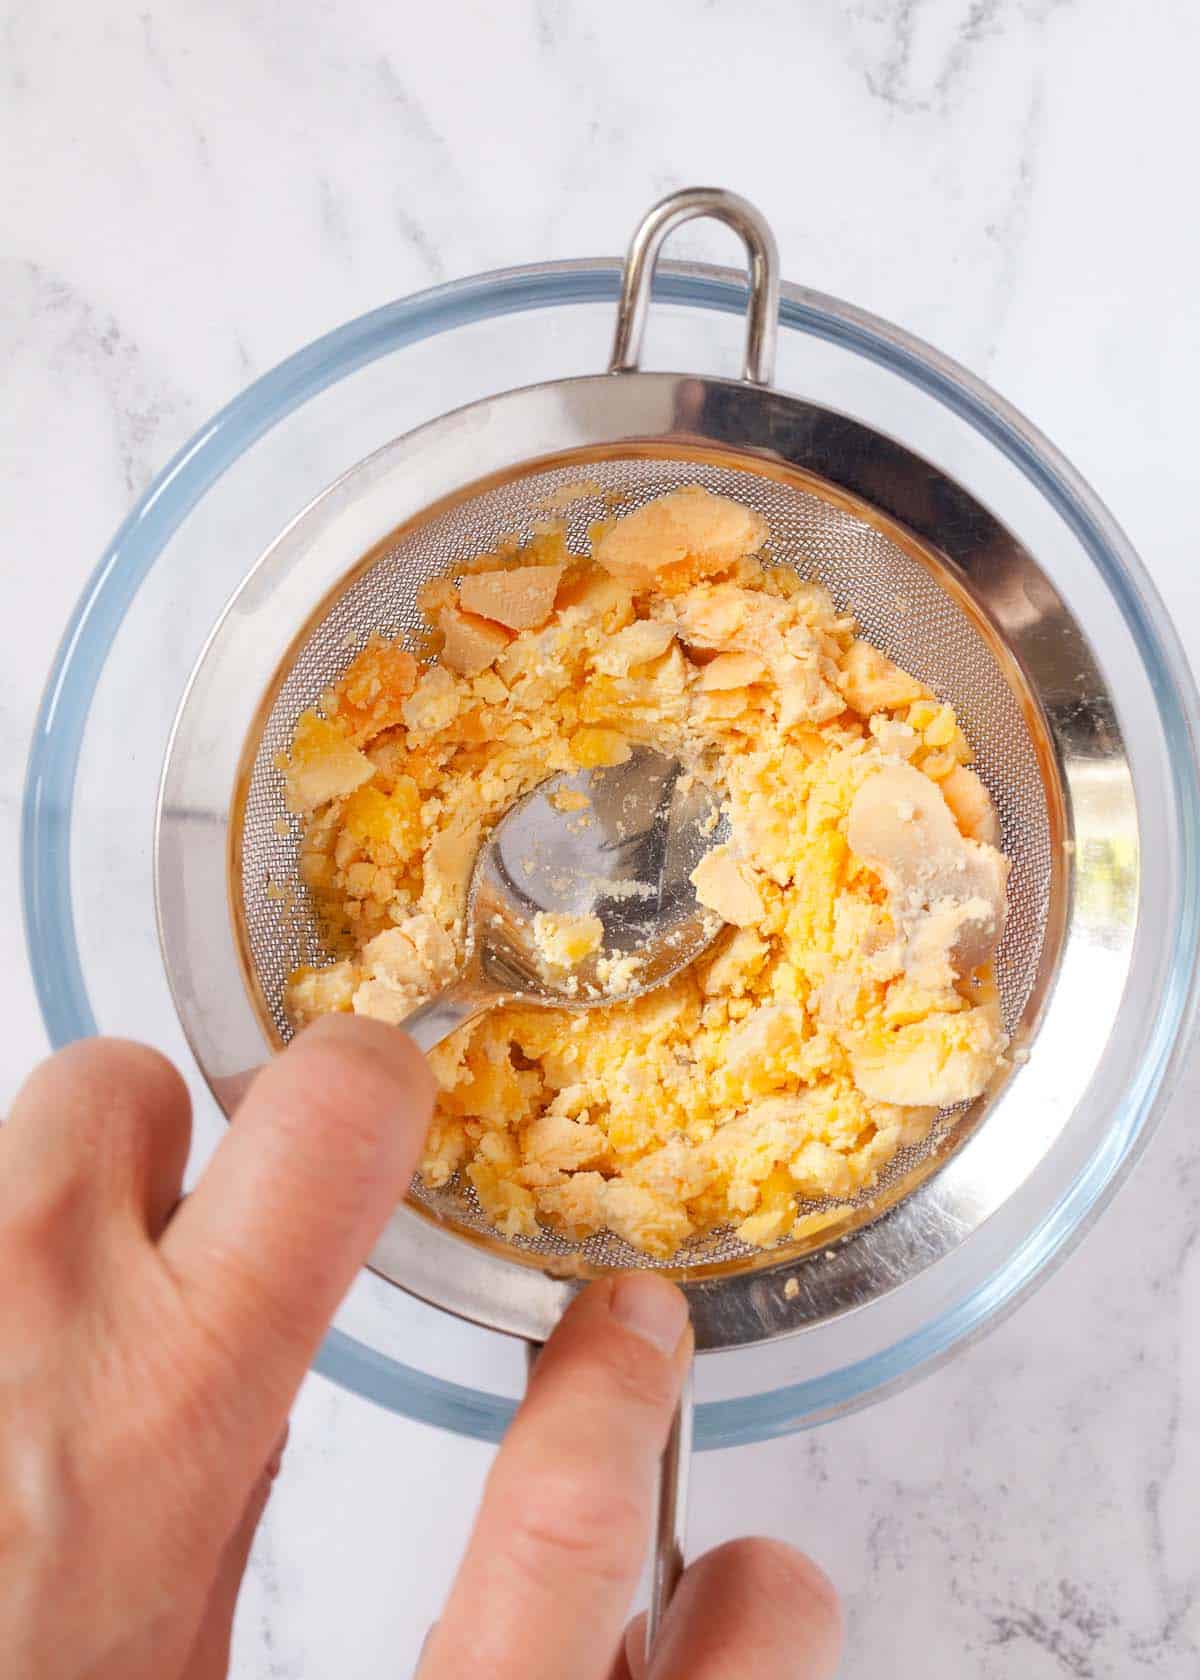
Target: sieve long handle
449	1010
637	280
670	1516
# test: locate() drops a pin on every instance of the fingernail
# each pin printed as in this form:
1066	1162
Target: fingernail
652	1308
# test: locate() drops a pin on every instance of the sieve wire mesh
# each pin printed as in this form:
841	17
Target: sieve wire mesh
901	607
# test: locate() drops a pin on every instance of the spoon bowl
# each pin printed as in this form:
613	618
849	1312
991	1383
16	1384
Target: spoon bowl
582	893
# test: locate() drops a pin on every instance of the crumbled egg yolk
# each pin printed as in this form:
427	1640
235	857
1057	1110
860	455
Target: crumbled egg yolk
563	941
849	998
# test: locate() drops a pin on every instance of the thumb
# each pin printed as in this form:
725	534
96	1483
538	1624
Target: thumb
299	1189
209	1658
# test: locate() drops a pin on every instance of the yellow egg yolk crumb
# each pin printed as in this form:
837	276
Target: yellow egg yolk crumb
847	1001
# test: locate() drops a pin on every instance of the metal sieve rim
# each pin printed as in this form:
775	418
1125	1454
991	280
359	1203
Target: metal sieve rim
690	1265
775	428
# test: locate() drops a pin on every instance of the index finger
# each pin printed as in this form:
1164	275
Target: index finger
558	1545
290	1205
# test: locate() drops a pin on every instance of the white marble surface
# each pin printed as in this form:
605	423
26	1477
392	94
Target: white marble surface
191	192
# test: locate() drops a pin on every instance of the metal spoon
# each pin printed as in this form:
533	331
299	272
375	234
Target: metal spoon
625	857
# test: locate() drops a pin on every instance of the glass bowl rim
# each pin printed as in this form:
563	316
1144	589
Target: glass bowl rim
62	716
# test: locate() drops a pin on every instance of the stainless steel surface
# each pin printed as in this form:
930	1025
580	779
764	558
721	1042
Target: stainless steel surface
762	314
462	1002
670	1513
626	859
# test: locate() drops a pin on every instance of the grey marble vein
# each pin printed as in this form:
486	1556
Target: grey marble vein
926	50
549	18
79	338
1009	230
413	120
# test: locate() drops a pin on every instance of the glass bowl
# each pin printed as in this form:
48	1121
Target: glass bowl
139	627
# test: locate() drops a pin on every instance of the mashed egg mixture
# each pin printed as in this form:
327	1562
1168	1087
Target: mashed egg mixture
848	999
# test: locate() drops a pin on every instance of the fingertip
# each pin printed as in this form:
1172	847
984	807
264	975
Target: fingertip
368	1082
387	1049
652	1308
781	1571
628	1337
804	1575
108	1114
108	1067
751	1591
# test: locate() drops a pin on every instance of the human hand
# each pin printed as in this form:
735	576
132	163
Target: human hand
150	1349
149	1352
559	1542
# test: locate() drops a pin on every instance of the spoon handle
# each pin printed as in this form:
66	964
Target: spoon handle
459	1003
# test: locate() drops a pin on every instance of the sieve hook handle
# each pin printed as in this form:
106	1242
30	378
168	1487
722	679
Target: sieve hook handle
637	279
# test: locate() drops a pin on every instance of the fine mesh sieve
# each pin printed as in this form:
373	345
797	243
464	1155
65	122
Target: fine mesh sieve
903	604
935	581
